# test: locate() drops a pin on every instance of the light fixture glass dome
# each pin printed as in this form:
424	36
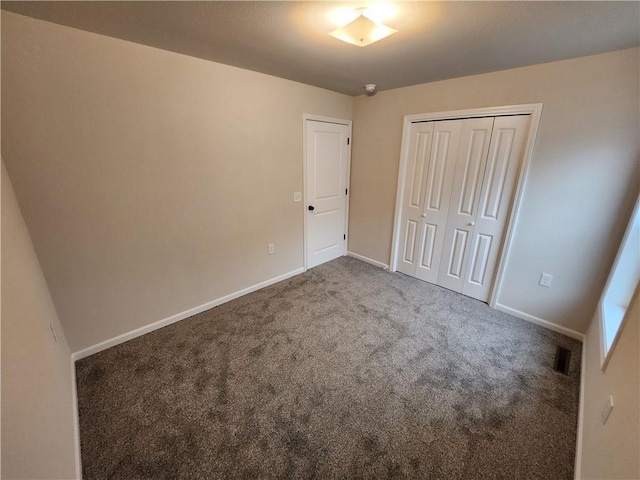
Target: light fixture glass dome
362	31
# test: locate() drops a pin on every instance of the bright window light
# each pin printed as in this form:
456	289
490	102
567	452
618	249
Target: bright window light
621	285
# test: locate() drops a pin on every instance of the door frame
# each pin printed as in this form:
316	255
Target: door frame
533	109
305	236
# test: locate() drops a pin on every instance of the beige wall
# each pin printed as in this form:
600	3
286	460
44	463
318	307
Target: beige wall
38	432
584	173
613	450
151	182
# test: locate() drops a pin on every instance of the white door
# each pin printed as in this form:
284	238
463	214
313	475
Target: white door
465	196
420	138
498	187
327	160
432	150
458	183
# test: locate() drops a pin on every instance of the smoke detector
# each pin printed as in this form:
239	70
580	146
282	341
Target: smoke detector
370	89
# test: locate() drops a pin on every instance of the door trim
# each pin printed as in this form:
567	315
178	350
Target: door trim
533	109
305	235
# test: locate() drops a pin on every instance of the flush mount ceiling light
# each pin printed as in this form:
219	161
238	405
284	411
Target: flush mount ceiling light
363	30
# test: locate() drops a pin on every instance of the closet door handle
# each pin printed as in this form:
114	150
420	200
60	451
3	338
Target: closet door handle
424	215
472	224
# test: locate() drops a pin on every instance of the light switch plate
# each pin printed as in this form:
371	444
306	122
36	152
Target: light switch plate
545	280
297	196
607	410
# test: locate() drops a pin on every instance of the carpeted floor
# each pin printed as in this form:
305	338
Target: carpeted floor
345	371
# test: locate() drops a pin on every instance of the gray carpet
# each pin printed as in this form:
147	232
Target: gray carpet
345	371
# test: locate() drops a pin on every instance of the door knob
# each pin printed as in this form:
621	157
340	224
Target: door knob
472	224
424	215
311	208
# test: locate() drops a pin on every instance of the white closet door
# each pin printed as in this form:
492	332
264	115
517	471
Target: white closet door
441	166
501	173
420	137
467	184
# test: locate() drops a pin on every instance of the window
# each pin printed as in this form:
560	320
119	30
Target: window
621	285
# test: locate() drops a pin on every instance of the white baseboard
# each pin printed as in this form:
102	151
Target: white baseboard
384	266
76	422
539	321
577	471
180	316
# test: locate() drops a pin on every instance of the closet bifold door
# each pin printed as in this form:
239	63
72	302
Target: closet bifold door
428	180
470	164
444	148
420	138
508	142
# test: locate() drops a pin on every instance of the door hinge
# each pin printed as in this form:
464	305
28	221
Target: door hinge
348	140
346	191
345	236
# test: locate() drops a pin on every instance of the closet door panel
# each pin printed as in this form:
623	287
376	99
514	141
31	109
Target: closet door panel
501	173
470	165
457	257
479	259
420	139
410	238
439	180
428	241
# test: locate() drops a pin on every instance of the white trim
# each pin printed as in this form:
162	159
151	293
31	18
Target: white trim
604	358
305	222
348	195
535	111
604	353
339	121
539	321
76	422
320	118
577	469
525	109
402	171
599	316
536	114
180	316
376	263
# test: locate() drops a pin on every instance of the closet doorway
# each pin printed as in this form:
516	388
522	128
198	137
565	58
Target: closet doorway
460	181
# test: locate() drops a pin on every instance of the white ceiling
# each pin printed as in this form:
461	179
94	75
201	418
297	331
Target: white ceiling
436	40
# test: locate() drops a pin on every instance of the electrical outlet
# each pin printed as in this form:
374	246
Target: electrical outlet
545	280
607	410
272	249
297	196
53	332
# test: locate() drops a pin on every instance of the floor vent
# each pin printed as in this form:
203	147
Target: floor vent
563	357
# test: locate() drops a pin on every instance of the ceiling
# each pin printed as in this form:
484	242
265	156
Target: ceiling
436	40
